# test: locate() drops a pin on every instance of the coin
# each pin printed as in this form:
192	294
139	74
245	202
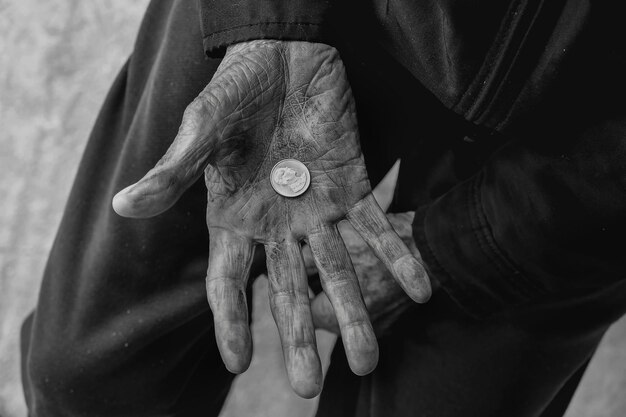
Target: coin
290	178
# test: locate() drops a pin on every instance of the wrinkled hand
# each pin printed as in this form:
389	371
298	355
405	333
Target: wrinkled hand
384	298
269	101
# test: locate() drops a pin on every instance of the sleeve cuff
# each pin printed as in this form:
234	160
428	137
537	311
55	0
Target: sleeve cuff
225	22
215	43
456	242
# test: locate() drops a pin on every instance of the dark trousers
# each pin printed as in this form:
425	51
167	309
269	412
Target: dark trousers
123	328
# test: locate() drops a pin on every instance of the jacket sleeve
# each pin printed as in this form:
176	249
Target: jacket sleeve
225	22
546	215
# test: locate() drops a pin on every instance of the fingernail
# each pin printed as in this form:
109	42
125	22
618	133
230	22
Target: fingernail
361	349
304	370
234	346
413	278
121	203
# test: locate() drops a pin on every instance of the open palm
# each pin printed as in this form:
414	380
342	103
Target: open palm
267	102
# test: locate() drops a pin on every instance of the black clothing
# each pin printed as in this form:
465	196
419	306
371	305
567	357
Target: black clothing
508	119
538	86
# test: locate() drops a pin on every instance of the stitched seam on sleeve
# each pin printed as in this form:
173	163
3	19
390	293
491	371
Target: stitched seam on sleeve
486	245
490	248
466	296
261	24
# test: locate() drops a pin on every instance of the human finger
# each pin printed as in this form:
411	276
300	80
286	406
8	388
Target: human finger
309	262
183	163
289	302
372	224
230	257
342	288
324	314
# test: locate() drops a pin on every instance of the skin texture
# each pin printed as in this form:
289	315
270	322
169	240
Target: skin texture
384	298
268	101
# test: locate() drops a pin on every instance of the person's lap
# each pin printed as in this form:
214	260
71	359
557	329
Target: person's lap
123	327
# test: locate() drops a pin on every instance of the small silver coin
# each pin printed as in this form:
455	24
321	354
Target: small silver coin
290	178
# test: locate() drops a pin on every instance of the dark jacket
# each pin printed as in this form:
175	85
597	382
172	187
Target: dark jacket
509	121
519	102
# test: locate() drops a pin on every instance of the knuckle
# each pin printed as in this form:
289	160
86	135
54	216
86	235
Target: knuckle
352	323
297	344
289	297
337	280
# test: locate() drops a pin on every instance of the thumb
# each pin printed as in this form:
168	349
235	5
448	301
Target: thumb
182	164
324	314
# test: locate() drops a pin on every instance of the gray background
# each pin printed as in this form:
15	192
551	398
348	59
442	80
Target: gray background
57	60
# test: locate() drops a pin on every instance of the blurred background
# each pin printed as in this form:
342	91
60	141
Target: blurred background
57	60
